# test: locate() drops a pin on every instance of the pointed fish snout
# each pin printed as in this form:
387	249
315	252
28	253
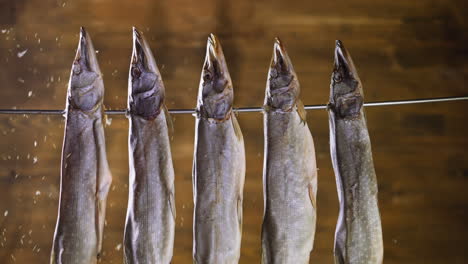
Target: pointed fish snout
340	55
215	94
138	54
343	61
146	89
213	40
215	63
214	53
280	62
86	54
142	54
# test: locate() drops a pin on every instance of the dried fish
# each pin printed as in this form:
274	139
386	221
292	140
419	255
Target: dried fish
219	165
290	171
85	175
358	236
149	228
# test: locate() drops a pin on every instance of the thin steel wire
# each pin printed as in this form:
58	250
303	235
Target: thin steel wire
242	109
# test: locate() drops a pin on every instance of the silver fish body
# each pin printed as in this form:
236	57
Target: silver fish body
219	166
290	171
85	175
358	236
150	222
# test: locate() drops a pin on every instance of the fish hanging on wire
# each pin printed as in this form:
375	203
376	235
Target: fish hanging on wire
242	109
150	223
358	235
218	167
290	171
85	175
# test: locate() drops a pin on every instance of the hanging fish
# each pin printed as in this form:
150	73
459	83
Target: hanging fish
358	235
85	175
219	165
290	171
149	228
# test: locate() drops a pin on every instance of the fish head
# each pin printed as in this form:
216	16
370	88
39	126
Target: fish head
216	92
346	89
146	89
86	88
283	86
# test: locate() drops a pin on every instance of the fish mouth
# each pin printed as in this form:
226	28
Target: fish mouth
346	98
282	84
345	79
343	63
142	54
144	73
86	89
215	93
215	62
281	72
138	55
215	71
146	89
280	60
86	54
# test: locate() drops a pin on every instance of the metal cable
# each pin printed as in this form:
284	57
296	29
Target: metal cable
242	109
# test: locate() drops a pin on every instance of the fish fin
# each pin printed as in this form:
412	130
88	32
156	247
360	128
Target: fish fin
169	122
103	182
312	196
301	111
237	129
172	204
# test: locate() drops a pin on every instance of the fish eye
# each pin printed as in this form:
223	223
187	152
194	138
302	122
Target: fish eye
136	73
76	68
207	76
337	77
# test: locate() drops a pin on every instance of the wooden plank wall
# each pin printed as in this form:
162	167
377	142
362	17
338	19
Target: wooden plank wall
403	49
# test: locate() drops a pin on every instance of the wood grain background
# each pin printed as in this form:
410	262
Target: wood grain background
403	49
